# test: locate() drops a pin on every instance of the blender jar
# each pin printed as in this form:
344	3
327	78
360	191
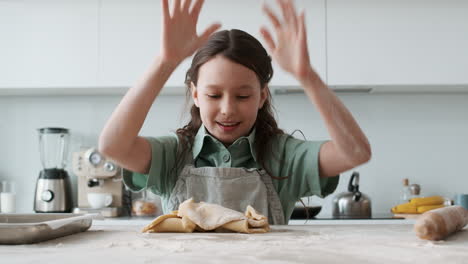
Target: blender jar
53	145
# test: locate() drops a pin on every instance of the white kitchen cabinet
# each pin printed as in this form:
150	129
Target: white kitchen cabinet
105	46
129	40
48	44
130	37
419	42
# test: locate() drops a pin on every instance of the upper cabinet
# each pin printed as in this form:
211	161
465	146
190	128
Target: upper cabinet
128	40
130	33
397	42
48	43
106	46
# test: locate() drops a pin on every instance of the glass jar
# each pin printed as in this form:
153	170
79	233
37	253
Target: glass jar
145	206
405	192
7	197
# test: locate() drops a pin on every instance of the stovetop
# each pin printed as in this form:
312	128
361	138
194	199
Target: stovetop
377	216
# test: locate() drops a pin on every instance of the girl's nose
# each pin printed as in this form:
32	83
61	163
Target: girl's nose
228	107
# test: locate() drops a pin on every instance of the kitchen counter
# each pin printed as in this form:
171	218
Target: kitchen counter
107	242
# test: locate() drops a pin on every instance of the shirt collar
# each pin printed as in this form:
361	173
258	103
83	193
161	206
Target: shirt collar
203	134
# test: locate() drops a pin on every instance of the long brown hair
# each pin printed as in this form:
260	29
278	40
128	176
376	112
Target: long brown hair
239	47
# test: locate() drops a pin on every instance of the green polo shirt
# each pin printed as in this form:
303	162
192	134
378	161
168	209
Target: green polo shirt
295	158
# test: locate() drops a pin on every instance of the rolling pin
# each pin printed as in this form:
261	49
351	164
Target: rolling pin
439	223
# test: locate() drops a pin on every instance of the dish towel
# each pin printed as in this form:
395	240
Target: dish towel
204	217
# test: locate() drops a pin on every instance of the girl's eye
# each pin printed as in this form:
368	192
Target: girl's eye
243	96
214	96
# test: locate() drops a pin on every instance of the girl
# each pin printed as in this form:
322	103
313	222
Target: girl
232	152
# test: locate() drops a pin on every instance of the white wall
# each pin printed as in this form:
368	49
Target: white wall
420	136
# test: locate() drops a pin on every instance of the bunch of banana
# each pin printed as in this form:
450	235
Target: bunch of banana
419	205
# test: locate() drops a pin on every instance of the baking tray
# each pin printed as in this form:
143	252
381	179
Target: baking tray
16	229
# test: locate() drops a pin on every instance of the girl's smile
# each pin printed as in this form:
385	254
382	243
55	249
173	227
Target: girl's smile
227	127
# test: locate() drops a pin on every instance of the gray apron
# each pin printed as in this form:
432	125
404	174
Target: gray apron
234	188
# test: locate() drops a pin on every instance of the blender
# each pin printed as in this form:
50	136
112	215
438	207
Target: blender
53	189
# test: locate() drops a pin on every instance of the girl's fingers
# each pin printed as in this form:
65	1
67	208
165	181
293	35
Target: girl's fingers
176	8
292	13
268	39
196	9
284	11
303	37
207	33
302	26
273	18
186	6
165	10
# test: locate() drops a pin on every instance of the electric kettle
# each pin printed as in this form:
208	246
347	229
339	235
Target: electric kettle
352	204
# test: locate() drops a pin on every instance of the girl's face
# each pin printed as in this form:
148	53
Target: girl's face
229	97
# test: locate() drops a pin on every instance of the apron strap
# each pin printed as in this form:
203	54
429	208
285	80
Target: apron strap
275	208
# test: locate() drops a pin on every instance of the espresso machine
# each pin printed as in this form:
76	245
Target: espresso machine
53	188
97	174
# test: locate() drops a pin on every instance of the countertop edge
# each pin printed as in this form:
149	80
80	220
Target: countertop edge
143	222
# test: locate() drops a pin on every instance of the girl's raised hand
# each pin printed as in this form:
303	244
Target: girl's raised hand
179	30
290	48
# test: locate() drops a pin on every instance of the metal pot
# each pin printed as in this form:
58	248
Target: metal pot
352	204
